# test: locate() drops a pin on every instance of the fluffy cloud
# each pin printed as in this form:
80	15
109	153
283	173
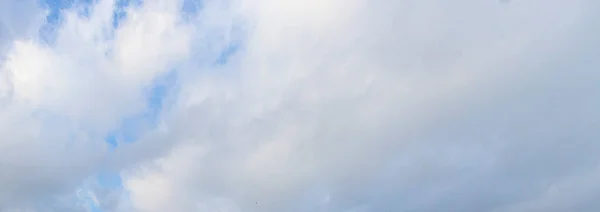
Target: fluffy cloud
318	105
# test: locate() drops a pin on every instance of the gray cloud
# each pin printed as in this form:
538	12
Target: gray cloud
327	106
473	104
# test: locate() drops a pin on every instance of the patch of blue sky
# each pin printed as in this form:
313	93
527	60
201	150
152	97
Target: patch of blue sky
93	207
236	36
55	14
111	140
228	43
134	126
120	12
55	8
191	8
227	53
109	180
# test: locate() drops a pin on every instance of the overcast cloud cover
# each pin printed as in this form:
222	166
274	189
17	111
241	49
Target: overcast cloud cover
299	105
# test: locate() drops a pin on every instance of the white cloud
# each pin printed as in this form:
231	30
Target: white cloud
59	101
327	106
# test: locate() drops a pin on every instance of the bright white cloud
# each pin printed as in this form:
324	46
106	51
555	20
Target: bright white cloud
326	105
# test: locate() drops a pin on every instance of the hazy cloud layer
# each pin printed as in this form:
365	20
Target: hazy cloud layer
314	105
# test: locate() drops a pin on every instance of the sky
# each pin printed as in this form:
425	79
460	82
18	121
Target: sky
290	105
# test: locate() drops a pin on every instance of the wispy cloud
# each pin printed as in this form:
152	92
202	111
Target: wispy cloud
314	105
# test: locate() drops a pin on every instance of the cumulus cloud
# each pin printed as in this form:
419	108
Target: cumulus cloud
318	105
